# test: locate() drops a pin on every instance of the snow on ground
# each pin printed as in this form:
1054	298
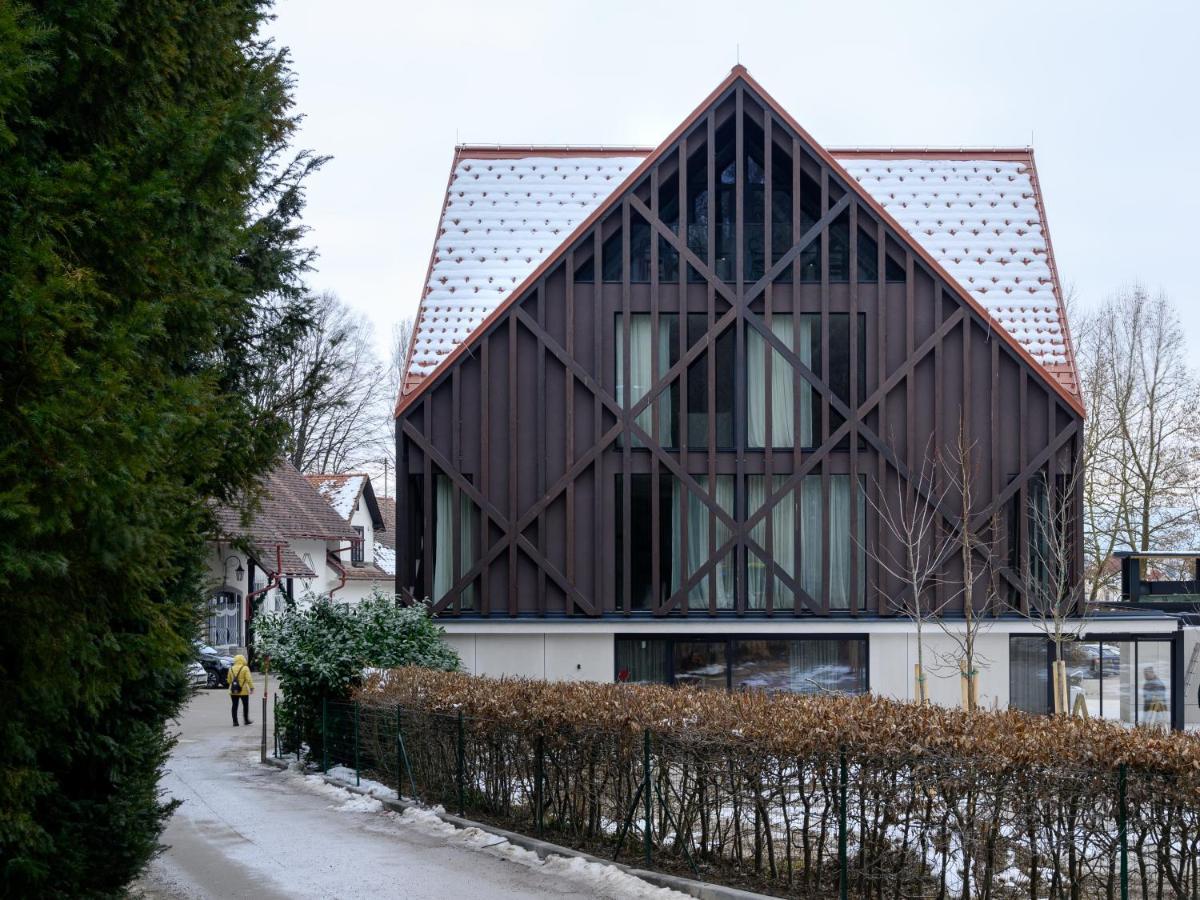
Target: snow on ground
248	830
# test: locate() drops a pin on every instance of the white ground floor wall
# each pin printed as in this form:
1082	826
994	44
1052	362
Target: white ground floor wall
586	651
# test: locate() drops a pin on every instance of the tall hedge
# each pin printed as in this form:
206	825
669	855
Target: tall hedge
148	208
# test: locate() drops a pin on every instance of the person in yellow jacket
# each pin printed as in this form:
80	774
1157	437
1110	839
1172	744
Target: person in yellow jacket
241	686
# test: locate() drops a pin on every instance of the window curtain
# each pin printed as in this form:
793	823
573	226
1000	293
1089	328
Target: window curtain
782	547
778	393
699	519
468	526
845	548
443	541
811	536
641	372
804	341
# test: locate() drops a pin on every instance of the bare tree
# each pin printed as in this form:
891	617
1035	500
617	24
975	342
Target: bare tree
976	549
1054	601
1140	464
912	547
402	333
329	391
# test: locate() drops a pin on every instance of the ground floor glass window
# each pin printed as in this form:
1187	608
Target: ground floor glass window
774	664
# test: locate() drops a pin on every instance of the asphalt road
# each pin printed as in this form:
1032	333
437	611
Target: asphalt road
248	830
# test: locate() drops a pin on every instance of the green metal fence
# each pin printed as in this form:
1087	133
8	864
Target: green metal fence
837	825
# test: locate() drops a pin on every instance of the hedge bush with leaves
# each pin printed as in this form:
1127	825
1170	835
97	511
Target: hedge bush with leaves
746	788
322	650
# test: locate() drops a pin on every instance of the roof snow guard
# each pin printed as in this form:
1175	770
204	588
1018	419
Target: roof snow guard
977	213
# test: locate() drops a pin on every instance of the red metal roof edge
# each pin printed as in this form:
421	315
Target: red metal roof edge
738	71
1052	261
416	329
517	151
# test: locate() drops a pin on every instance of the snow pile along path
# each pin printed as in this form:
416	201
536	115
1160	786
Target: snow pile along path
597	879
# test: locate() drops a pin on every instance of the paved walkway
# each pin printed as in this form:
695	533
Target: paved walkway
247	830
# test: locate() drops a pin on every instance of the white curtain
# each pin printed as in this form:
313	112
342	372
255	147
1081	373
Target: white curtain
468	525
845	548
782	547
811	536
778	393
443	542
641	371
699	519
804	336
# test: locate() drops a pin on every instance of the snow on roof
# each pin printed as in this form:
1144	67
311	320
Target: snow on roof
502	218
977	213
980	219
341	491
385	558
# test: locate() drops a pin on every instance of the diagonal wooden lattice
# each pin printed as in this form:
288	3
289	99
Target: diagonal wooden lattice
939	332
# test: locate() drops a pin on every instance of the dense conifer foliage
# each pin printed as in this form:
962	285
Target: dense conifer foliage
150	255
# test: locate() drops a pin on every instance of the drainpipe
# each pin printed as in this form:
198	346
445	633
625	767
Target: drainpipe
342	575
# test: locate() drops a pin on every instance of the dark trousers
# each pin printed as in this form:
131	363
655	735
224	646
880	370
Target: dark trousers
245	708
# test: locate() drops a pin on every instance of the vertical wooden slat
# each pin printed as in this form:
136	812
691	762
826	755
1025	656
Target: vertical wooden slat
854	400
514	423
739	370
799	382
881	375
626	421
456	515
601	490
427	471
569	434
539	406
485	469
404	523
711	368
1023	492
827	537
768	457
656	513
686	564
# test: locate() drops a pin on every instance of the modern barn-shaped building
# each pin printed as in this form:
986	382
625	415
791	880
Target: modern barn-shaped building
655	399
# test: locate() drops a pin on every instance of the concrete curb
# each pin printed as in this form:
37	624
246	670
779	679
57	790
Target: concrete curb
700	889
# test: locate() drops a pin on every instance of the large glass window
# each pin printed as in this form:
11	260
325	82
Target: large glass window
1029	674
644	372
1127	681
706	532
777	665
643	592
447	570
642	661
701	663
807	666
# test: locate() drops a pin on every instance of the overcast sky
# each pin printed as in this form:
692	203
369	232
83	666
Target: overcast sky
1106	93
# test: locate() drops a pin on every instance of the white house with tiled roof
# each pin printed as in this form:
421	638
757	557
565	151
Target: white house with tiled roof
369	565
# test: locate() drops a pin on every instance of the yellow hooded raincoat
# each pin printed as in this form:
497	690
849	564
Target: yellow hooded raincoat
240	672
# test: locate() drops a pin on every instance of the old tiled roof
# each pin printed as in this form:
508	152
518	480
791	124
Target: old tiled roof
288	507
978	213
387	534
342	491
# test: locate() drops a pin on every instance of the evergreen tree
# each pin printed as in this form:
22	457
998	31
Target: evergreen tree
149	256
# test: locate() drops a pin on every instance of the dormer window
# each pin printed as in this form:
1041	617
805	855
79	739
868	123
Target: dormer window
356	547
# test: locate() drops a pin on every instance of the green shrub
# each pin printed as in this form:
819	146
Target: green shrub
323	650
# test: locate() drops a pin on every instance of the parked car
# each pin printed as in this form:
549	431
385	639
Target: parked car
1099	659
197	676
215	665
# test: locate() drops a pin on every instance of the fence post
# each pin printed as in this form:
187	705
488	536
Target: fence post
646	844
357	776
324	734
843	866
462	775
1122	832
402	754
539	774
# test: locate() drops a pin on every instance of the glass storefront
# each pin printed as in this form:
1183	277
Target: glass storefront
1125	680
792	665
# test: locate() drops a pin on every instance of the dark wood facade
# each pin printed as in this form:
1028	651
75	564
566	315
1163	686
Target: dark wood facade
542	452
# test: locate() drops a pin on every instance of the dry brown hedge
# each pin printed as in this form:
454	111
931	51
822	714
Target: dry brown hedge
794	725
